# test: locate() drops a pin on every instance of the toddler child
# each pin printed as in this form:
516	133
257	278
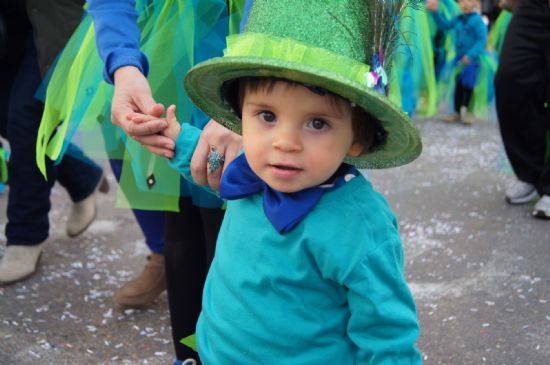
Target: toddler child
470	35
309	263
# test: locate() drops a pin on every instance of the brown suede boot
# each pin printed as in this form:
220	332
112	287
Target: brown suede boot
146	287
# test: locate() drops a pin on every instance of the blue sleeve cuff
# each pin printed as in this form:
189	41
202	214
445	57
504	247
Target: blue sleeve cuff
185	147
124	57
117	35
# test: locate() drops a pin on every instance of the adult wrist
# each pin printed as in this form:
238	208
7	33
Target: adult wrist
125	71
122	58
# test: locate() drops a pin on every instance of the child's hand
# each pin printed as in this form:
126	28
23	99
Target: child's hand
466	60
174	128
171	131
432	5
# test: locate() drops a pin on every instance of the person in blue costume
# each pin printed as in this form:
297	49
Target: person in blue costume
522	85
470	35
309	263
441	36
190	234
36	32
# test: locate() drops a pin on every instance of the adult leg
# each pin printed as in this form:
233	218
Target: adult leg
520	91
29	193
145	288
189	241
543	185
78	174
542	208
82	178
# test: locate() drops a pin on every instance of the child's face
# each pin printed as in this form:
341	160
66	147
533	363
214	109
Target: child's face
294	138
467	6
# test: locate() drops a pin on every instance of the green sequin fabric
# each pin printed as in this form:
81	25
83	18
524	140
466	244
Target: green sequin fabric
313	22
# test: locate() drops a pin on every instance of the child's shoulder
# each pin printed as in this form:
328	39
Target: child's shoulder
349	225
357	207
357	195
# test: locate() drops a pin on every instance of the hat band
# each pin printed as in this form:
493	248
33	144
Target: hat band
289	50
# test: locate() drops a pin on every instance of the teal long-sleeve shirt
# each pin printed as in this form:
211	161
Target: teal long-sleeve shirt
332	290
470	33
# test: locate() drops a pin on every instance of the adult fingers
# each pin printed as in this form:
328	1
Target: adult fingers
140	118
199	162
132	94
231	152
214	175
169	154
119	113
225	142
146	128
163	152
157	141
216	160
156	110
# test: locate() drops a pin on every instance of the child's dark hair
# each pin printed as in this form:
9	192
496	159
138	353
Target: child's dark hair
367	130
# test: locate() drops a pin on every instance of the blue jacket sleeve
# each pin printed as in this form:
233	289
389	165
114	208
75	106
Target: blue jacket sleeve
443	22
117	35
481	39
185	146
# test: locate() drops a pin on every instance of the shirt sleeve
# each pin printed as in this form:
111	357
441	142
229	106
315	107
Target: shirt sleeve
185	146
117	35
383	322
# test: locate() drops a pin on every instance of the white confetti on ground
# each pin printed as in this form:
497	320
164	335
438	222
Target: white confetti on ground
103	227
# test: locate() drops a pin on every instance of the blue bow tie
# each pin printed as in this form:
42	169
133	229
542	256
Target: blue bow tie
283	210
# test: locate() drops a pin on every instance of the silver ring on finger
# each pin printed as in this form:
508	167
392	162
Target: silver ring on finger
215	159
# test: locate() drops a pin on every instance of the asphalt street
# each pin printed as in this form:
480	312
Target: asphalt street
479	269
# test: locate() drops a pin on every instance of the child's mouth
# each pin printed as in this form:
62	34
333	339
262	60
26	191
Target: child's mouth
285	167
284	170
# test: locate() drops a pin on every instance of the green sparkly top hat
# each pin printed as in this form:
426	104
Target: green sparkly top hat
343	46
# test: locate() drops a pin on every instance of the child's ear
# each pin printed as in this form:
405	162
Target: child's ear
355	150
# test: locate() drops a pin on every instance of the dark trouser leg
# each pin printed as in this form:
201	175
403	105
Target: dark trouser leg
151	222
543	185
78	174
29	193
458	96
19	28
189	243
466	96
521	86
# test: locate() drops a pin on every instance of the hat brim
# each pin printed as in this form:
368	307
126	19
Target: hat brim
204	82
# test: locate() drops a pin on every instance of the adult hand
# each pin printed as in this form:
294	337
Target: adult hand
226	143
432	5
133	94
172	131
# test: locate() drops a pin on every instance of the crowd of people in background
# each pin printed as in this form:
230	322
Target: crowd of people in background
462	59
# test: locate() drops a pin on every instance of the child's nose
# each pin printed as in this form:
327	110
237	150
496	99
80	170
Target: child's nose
287	139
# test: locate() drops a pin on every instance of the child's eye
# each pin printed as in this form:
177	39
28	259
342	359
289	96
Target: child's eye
317	124
267	116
